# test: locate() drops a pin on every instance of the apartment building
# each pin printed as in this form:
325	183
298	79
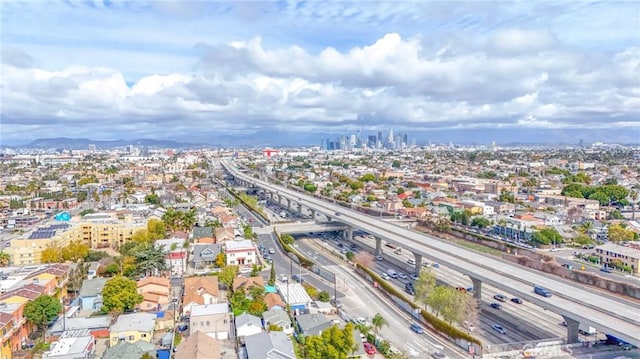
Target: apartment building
627	255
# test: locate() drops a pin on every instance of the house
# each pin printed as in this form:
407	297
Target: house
200	232
247	282
132	328
241	253
198	346
271	345
199	291
155	292
295	295
211	319
177	261
278	317
90	294
626	256
274	301
126	350
97	326
204	255
247	324
72	344
224	234
312	324
92	272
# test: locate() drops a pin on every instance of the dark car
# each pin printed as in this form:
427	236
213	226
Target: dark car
500	298
516	300
496	306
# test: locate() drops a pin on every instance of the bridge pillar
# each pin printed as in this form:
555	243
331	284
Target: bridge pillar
477	288
378	246
288	204
418	265
572	329
313	214
299	209
348	233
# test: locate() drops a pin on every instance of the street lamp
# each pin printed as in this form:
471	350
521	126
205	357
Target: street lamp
174	303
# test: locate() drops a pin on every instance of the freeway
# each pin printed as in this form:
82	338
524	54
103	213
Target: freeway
616	316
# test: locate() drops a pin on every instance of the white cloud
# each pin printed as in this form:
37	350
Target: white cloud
312	66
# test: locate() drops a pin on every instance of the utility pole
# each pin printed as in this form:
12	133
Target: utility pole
174	302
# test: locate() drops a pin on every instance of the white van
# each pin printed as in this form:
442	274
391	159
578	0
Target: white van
392	273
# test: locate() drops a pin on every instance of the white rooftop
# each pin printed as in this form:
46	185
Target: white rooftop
209	309
293	293
244	244
70	342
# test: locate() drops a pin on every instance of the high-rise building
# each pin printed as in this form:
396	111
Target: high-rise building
372	142
92	148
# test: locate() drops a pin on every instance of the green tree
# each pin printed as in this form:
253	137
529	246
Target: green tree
333	343
52	254
272	276
153	198
395	164
156	229
455	305
42	310
310	187
480	222
140	236
368	177
221	260
5	258
228	274
547	235
425	284
150	260
378	322
74	251
324	296
617	233
120	294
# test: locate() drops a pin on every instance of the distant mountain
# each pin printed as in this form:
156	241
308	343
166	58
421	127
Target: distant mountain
83	143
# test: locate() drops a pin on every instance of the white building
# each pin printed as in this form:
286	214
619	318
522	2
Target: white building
72	344
241	253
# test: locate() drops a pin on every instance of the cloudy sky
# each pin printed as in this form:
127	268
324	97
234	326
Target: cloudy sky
196	71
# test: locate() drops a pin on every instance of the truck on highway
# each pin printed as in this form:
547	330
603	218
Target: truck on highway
586	330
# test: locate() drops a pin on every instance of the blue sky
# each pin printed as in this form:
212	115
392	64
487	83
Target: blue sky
130	69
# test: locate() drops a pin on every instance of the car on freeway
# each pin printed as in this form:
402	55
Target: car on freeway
415	276
402	275
411	261
385	276
516	300
369	348
416	328
500	298
498	328
379	258
436	265
496	306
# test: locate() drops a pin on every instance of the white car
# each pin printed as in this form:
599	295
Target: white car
411	261
402	275
379	258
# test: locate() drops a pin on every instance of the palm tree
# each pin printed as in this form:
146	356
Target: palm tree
5	258
378	322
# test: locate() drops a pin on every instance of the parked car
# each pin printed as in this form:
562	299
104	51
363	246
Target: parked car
606	270
496	306
369	348
516	300
498	328
416	328
500	298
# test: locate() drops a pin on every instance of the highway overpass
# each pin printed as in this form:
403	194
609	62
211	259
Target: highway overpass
308	227
612	315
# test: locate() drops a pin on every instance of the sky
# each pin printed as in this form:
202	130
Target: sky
277	71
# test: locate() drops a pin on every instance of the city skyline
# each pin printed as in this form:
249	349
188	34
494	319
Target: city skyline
254	71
